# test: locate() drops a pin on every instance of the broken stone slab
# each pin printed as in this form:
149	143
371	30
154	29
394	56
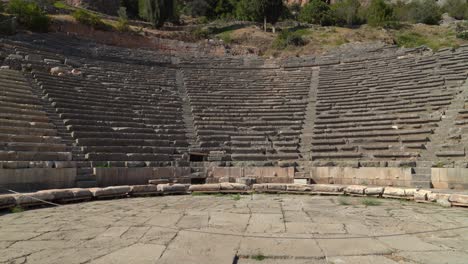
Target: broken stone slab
80	194
374	191
173	188
399	193
355	189
328	188
247	181
7	201
233	187
298	188
444	202
141	190
60	194
205	187
434	196
32	199
108	192
459	199
260	187
421	196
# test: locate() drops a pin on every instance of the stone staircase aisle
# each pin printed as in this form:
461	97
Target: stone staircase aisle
305	144
85	177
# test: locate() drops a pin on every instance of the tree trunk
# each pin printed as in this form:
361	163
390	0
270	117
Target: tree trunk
273	28
264	24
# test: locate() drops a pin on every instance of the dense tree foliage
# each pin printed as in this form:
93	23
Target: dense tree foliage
379	13
29	15
156	11
317	12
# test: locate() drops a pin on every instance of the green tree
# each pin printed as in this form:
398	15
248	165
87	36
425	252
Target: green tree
425	11
346	12
156	11
268	11
317	12
379	13
29	15
244	11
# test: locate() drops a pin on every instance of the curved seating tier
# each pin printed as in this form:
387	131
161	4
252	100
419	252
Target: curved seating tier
27	137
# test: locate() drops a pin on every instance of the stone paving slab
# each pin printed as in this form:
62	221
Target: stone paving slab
211	229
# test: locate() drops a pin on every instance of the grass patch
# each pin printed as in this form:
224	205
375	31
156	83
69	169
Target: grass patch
235	197
434	39
226	37
343	201
258	257
17	209
371	202
288	38
62	5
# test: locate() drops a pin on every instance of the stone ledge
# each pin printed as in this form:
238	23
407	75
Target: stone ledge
443	197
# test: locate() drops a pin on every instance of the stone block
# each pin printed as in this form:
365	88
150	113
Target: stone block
65	164
81	194
172	188
355	189
31	199
394	192
298	188
226	179
205	188
421	195
143	189
60	194
113	191
233	187
459	199
276	187
434	196
158	181
374	191
328	188
444	202
246	181
7	201
260	187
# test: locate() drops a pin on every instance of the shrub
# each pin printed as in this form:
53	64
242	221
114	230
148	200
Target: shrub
29	15
346	12
379	13
457	9
89	19
200	33
317	12
289	38
425	11
463	35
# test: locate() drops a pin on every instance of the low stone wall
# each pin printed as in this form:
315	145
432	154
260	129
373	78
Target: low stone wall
135	176
32	179
365	175
450	178
261	174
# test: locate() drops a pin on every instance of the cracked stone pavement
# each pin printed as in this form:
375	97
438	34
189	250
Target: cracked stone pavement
221	229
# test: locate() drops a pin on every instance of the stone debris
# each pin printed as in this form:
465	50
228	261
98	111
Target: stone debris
172	188
110	192
84	194
142	190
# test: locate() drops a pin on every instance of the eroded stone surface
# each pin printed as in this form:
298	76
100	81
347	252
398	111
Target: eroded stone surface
212	229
